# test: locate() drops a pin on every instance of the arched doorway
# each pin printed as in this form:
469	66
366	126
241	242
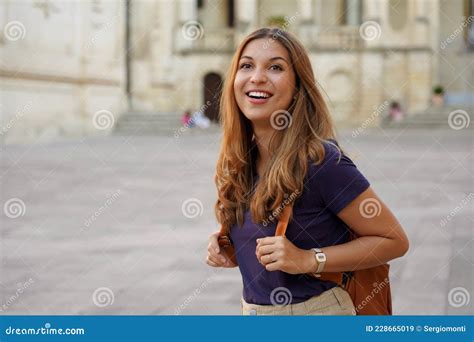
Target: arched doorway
212	93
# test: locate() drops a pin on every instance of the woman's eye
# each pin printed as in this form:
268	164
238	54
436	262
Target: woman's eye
276	67
244	66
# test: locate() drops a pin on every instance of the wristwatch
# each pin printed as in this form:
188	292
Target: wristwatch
320	259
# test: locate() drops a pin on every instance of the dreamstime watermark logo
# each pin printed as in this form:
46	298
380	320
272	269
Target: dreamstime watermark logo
459	119
284	27
193	296
111	198
276	213
103	296
370	30
102	30
192	208
375	114
192	121
280	119
192	30
103	119
457	32
370	207
459	296
19	114
281	296
185	127
377	287
14	208
456	209
19	291
46	330
14	30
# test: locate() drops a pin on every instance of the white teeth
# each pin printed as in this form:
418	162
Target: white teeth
258	94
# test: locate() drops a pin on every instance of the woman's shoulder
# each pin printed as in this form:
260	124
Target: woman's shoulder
332	156
336	178
335	166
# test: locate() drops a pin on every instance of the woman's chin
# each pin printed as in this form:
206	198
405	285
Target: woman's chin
259	117
258	114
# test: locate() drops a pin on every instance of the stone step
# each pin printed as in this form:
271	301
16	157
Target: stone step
147	123
163	124
149	118
436	117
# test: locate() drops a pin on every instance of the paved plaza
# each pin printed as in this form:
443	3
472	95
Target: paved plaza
119	225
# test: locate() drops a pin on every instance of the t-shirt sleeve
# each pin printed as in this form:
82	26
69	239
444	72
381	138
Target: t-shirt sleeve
338	182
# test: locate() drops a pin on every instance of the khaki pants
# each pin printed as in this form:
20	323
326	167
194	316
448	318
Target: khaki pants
335	301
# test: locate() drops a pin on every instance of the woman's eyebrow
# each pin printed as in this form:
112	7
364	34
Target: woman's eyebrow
271	59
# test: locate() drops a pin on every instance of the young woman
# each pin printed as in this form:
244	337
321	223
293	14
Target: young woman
279	144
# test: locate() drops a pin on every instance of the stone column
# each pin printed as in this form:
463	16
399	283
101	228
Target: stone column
305	11
353	12
187	10
421	22
372	9
373	12
246	17
187	14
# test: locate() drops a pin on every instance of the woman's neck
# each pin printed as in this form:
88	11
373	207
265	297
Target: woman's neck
262	140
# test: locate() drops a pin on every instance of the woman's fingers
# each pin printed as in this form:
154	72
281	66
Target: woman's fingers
213	242
216	255
273	266
262	250
213	247
211	263
229	263
220	260
269	240
267	259
212	250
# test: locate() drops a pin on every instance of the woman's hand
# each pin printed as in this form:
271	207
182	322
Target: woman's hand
215	256
277	253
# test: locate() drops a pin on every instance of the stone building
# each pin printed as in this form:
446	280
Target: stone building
78	68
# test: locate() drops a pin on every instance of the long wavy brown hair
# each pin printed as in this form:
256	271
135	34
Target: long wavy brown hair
289	148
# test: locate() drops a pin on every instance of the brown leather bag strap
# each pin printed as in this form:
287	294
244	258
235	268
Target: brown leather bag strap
336	277
224	241
284	219
281	226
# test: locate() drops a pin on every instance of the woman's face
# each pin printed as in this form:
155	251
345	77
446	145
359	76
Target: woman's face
265	80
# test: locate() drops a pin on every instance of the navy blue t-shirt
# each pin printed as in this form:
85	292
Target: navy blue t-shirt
328	188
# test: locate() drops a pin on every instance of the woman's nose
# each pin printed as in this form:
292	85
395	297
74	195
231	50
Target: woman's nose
258	77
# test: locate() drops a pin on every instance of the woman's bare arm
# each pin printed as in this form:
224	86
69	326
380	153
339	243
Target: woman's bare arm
380	239
380	236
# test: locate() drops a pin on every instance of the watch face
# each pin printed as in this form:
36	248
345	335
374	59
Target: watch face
321	257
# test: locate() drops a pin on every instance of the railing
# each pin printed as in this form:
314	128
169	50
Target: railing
333	37
199	39
204	40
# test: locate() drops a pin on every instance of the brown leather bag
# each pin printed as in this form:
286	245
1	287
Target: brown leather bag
369	289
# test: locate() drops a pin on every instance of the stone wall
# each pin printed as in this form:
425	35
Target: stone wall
61	63
63	70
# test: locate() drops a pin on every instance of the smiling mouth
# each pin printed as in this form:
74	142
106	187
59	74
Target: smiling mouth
258	95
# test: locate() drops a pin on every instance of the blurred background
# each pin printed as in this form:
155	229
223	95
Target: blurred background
109	137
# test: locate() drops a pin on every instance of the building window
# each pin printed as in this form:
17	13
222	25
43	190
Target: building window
469	30
397	14
352	12
230	13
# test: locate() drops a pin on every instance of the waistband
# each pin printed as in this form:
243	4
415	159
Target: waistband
335	296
